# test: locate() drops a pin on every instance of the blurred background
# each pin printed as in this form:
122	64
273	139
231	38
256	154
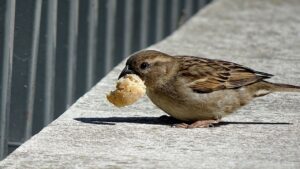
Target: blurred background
53	51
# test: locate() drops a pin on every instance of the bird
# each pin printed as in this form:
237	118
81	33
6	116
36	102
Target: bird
199	91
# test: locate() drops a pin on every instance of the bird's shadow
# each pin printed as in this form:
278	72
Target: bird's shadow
163	120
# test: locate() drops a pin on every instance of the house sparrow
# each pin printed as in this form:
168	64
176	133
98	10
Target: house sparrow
199	91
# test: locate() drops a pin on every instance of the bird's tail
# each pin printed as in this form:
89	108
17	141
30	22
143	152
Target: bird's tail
278	87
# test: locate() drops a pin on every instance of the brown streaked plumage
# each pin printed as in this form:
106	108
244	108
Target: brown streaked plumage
199	90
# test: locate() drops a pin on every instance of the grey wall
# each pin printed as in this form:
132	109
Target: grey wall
53	51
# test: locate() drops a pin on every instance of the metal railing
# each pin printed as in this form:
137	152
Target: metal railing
53	51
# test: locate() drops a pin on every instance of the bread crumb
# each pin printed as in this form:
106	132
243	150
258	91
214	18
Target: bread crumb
128	90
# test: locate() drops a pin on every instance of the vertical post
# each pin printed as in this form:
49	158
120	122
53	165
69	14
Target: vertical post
188	8
174	14
128	27
110	35
160	6
92	36
50	61
202	3
72	47
144	24
33	68
8	47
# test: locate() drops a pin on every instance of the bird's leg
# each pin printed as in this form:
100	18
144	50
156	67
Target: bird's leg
197	124
203	124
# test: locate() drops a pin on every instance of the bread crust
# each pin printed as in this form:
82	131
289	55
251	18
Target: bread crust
128	90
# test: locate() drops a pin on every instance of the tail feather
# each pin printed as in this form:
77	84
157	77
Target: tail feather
279	87
263	88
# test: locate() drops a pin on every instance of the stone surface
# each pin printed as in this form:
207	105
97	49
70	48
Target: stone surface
264	35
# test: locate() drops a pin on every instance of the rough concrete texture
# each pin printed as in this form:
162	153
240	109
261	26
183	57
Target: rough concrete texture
264	35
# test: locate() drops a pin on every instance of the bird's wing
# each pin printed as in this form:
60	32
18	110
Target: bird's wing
206	75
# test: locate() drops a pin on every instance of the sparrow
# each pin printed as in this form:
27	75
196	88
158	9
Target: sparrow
199	91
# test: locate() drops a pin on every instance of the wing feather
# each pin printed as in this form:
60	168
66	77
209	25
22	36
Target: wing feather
206	75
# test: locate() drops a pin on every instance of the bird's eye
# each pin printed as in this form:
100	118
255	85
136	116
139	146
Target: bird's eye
144	65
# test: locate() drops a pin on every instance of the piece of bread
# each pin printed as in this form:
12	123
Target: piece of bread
128	90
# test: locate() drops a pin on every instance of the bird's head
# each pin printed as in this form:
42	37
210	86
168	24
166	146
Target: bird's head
150	65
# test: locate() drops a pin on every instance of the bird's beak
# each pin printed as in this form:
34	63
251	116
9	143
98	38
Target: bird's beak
126	71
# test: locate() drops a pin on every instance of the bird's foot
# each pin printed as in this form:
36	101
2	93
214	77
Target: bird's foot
197	124
180	125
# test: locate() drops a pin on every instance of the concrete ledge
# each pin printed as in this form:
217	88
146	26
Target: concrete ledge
264	35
